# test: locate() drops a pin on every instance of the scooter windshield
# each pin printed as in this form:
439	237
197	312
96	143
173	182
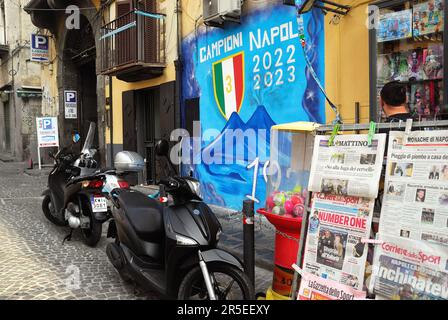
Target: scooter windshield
89	140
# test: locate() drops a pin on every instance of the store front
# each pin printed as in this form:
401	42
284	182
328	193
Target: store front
408	46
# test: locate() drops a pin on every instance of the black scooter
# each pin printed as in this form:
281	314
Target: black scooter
171	247
74	196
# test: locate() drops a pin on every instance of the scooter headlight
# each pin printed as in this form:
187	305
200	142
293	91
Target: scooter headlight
184	241
195	187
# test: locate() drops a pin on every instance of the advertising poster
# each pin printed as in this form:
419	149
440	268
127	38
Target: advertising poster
395	25
428	17
349	167
334	249
415	203
407	269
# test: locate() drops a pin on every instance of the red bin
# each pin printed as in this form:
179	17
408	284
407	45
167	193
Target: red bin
285	251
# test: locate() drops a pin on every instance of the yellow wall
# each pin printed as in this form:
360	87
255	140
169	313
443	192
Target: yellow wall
50	95
347	62
346	59
118	87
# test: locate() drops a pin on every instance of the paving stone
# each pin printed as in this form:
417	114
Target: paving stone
35	264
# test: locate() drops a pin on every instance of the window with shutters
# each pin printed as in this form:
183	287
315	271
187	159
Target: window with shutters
133	45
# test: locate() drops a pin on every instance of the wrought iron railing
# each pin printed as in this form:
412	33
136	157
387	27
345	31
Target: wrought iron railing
135	38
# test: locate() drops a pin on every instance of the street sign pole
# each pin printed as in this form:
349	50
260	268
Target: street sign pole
38	156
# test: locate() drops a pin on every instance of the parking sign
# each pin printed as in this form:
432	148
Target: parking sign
71	104
39	48
47	132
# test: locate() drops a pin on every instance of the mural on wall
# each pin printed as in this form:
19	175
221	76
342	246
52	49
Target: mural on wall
249	77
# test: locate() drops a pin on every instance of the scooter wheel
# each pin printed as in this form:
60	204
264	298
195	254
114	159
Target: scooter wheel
50	214
91	236
231	283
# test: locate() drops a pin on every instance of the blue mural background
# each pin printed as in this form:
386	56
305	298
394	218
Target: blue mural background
291	95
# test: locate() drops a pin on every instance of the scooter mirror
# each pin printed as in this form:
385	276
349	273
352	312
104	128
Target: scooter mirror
76	137
162	148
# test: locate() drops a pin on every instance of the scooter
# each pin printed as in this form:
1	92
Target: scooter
171	246
74	196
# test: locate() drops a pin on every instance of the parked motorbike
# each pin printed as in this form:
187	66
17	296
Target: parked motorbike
74	196
171	246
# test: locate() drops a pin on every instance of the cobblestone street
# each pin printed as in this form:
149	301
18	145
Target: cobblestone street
33	262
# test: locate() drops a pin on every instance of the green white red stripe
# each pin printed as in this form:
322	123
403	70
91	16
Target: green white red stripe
229	84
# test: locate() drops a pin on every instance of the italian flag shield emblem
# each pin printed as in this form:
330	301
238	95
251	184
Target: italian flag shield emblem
228	84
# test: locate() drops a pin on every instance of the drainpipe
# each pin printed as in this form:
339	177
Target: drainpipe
111	119
179	66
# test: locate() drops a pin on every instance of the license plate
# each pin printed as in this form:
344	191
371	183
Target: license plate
99	204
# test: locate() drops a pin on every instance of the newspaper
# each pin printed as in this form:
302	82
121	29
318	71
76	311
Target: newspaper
317	288
349	167
335	246
406	269
415	202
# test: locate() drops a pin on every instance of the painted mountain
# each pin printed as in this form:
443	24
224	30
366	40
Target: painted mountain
226	181
241	142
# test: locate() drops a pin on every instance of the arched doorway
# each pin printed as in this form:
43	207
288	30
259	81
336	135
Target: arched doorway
78	72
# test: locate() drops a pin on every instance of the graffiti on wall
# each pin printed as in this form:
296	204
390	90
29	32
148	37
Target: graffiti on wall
249	77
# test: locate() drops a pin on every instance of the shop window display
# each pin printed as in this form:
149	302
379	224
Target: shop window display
410	49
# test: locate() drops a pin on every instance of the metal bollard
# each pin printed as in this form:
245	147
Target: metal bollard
249	239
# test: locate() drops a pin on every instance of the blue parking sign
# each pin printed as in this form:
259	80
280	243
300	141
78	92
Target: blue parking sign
70	96
71	104
39	48
47	123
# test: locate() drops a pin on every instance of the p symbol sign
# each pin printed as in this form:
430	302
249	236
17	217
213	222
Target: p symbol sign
47	124
70	96
40	42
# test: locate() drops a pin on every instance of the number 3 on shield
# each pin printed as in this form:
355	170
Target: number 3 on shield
229	87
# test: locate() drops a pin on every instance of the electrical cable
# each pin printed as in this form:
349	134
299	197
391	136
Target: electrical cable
302	39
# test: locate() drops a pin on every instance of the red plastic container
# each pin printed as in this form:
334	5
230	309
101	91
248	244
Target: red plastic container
285	254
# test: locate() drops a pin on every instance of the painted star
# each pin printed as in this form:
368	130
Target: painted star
310	95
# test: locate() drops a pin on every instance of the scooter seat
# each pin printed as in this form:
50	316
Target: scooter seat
144	214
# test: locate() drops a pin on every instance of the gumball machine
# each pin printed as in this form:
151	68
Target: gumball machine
286	197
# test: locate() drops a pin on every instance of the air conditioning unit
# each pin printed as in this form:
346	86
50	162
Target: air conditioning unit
217	12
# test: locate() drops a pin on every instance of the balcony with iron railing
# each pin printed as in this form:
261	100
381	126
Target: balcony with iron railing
133	46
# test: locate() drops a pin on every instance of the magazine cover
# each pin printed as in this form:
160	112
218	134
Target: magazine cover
400	66
384	68
395	25
415	64
441	108
428	17
418	101
433	62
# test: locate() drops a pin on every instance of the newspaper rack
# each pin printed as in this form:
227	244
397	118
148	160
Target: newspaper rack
353	128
